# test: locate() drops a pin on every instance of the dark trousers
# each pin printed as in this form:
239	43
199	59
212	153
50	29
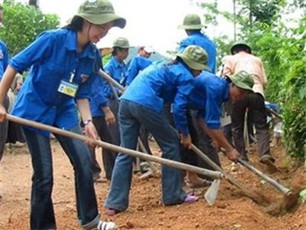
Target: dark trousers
108	156
131	116
42	211
187	155
114	128
199	138
4	129
205	144
255	104
15	133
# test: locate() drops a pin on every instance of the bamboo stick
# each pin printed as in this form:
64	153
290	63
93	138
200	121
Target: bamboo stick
115	148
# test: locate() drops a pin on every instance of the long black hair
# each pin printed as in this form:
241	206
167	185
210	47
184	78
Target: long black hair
75	24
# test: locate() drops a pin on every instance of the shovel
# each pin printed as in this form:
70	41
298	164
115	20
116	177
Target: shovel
115	148
290	197
110	79
212	192
256	197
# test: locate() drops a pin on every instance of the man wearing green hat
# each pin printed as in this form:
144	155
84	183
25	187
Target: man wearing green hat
254	104
207	97
205	104
192	25
142	104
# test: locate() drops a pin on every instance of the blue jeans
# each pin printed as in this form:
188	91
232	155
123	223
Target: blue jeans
131	116
42	212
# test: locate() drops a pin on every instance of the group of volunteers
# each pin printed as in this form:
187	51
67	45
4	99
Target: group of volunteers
179	102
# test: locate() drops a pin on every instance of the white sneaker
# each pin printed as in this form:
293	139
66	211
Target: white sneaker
104	225
18	144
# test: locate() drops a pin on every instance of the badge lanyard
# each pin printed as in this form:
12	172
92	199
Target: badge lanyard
69	88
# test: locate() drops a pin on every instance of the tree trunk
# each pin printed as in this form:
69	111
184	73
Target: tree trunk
235	20
34	3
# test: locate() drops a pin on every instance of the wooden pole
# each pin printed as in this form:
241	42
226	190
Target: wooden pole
248	192
133	153
274	183
110	79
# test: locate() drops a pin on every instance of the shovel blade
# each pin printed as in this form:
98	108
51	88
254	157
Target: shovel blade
212	192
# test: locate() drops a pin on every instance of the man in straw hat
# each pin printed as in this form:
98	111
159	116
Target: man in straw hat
142	104
254	104
63	65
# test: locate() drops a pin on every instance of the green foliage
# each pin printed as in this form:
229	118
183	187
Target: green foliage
303	195
282	50
293	100
23	23
106	58
224	44
262	11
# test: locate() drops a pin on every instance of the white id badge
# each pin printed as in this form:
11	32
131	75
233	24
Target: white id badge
67	88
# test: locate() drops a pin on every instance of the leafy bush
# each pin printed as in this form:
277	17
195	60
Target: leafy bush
23	23
283	51
294	97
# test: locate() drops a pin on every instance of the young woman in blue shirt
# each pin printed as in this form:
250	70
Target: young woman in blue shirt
63	64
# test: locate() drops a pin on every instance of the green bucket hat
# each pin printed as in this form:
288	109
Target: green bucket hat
195	57
99	12
191	22
241	44
242	80
121	42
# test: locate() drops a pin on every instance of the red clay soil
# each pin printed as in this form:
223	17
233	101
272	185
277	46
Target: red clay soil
232	210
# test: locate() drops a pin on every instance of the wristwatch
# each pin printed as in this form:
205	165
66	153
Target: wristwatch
87	121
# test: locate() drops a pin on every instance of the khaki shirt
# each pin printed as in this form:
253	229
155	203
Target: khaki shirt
249	63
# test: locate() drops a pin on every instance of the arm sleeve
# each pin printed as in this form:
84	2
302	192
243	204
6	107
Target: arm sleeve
183	44
227	66
107	88
97	93
131	71
35	53
180	107
4	59
212	112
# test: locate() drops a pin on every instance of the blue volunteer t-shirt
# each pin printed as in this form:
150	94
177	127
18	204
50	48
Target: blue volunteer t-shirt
53	58
199	39
207	96
117	70
4	58
161	84
97	98
136	65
